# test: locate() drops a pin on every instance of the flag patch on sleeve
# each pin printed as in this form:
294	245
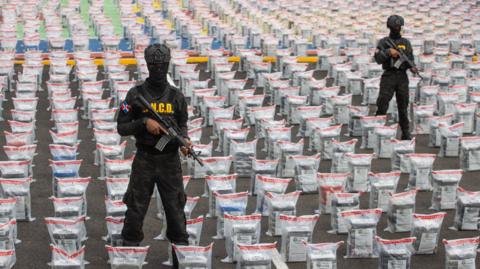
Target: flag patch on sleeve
125	107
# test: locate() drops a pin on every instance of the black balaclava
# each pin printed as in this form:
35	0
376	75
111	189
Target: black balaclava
396	32
395	23
157	57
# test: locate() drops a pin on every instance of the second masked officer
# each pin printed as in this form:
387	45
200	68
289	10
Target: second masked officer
152	167
394	78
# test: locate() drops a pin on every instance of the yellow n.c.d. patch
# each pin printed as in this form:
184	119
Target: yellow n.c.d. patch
402	47
165	108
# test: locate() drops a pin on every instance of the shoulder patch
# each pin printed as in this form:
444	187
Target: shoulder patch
125	107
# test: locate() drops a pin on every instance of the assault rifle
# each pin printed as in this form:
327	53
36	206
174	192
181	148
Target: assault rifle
402	57
170	129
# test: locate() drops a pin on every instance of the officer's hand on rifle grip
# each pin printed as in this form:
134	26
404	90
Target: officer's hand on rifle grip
185	150
394	53
153	127
414	70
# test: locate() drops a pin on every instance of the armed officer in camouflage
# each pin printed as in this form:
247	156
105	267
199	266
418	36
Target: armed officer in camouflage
151	166
394	78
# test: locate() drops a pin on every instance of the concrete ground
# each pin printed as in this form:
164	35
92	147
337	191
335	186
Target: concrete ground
34	250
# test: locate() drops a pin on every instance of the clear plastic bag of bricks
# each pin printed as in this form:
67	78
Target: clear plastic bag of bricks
328	184
420	170
220	184
304	113
203	151
64	169
262	167
396	253
445	185
227	131
256	256
465	112
383	140
312	125
359	166
63	152
109	137
19	139
435	139
268	184
8	258
428	94
194	230
127	257
118	168
421	116
210	102
461	253
116	187
400	149
467	211
194	256
354	125
68	234
292	103
8	229
25	104
450	135
245	103
362	229
114	229
230	203
25	116
115	208
242	153
323	138
305	170
341	111
342	202
285	149
400	211
20	153
231	134
65	259
8	214
280	204
240	230
265	121
426	228
339	150
470	153
18	188
368	124
70	207
296	231
214	166
322	255
446	102
382	186
274	135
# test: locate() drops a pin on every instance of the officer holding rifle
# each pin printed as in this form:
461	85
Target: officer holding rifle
395	54
156	114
